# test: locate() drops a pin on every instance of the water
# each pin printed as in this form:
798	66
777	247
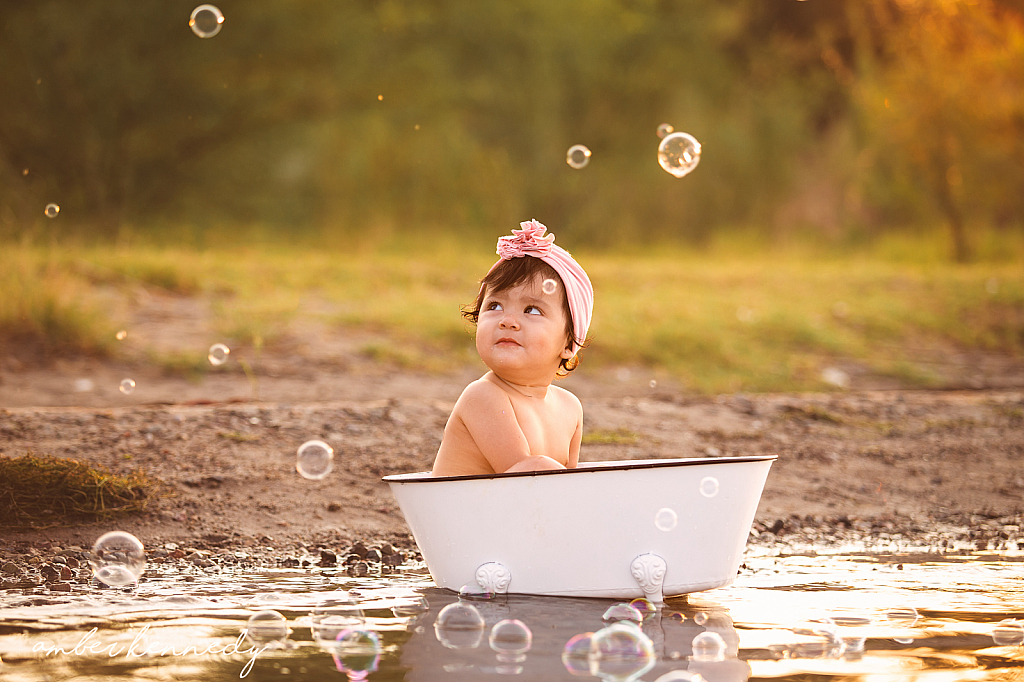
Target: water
790	615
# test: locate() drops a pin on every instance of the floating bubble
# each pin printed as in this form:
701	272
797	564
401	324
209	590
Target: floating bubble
621	651
410	608
700	618
118	558
127	386
357	652
121	335
206	21
266	627
620	612
218	354
459	626
708	646
679	154
1008	633
653	383
644	607
665	129
331	617
680	676
51	210
578	156
549	286
314	459
709	486
510	639
576	654
666	519
474	592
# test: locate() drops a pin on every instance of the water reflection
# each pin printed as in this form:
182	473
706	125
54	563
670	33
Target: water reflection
787	617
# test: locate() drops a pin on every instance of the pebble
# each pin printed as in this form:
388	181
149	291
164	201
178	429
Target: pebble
11	568
49	573
65	573
359	549
60	587
373	555
328	558
333	506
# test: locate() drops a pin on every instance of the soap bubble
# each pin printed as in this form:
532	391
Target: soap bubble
127	386
643	606
206	21
332	616
266	627
118	558
621	651
410	608
664	129
666	519
51	210
653	383
314	460
620	612
549	286
709	486
511	639
218	354
356	651
1008	633
121	335
679	154
700	618
474	592
680	676
830	644
576	654
708	646
459	626
578	156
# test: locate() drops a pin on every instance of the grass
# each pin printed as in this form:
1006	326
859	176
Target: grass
734	316
606	437
47	489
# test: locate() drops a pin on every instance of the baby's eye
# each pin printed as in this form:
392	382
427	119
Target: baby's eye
532	310
493	305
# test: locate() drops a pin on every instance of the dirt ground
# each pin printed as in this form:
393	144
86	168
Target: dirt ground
895	461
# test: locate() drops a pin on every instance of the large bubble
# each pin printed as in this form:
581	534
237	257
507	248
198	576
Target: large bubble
576	654
621	651
1008	633
708	646
334	616
679	153
314	459
206	21
118	558
265	627
459	626
510	639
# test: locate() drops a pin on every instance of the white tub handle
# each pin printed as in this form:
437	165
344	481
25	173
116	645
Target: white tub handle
493	577
649	572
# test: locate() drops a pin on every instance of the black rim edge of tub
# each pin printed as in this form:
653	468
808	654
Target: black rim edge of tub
425	477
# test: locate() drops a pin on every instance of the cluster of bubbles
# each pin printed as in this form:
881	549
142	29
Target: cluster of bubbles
666	518
206	21
678	153
118	559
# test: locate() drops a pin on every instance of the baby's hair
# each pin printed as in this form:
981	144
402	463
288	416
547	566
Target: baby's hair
513	272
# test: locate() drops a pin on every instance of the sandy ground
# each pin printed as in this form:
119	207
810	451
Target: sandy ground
894	461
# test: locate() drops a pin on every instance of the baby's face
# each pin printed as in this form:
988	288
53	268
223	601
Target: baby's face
520	333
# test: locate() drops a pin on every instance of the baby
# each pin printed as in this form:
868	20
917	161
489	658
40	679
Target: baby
531	314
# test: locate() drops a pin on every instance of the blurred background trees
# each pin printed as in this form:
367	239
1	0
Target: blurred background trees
319	120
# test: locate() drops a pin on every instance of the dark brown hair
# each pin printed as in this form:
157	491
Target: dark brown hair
513	272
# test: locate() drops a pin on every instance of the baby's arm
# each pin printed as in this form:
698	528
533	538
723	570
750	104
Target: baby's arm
491	421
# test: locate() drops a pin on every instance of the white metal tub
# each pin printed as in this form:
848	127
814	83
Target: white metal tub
594	531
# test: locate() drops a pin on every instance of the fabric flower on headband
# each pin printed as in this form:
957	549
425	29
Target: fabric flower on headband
530	240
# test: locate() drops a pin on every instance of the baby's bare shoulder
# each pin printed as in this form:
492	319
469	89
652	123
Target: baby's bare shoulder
482	394
567	398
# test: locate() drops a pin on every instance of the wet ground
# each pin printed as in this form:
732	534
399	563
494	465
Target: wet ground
795	612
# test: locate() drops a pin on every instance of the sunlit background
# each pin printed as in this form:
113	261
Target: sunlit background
867	155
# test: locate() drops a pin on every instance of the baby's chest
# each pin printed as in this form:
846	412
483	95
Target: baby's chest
544	428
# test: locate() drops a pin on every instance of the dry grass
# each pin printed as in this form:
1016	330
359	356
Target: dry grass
42	489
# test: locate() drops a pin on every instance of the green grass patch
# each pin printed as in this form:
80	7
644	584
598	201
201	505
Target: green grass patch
721	319
41	489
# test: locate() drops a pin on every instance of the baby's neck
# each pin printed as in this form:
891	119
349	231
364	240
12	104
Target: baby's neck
539	391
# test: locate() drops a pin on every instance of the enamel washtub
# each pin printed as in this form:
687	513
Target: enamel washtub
637	528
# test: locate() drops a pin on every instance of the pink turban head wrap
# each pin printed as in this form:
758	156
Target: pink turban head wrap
530	240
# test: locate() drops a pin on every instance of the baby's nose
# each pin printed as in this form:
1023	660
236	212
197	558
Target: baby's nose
509	321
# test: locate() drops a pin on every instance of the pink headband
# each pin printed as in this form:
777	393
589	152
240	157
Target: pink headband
531	241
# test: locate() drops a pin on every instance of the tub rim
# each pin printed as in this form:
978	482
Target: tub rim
584	467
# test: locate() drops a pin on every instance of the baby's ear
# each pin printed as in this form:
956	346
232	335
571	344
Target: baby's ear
567	352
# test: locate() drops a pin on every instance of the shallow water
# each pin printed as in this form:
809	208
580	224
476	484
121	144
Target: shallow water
771	620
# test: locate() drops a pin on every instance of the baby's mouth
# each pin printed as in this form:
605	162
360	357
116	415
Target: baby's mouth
505	341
